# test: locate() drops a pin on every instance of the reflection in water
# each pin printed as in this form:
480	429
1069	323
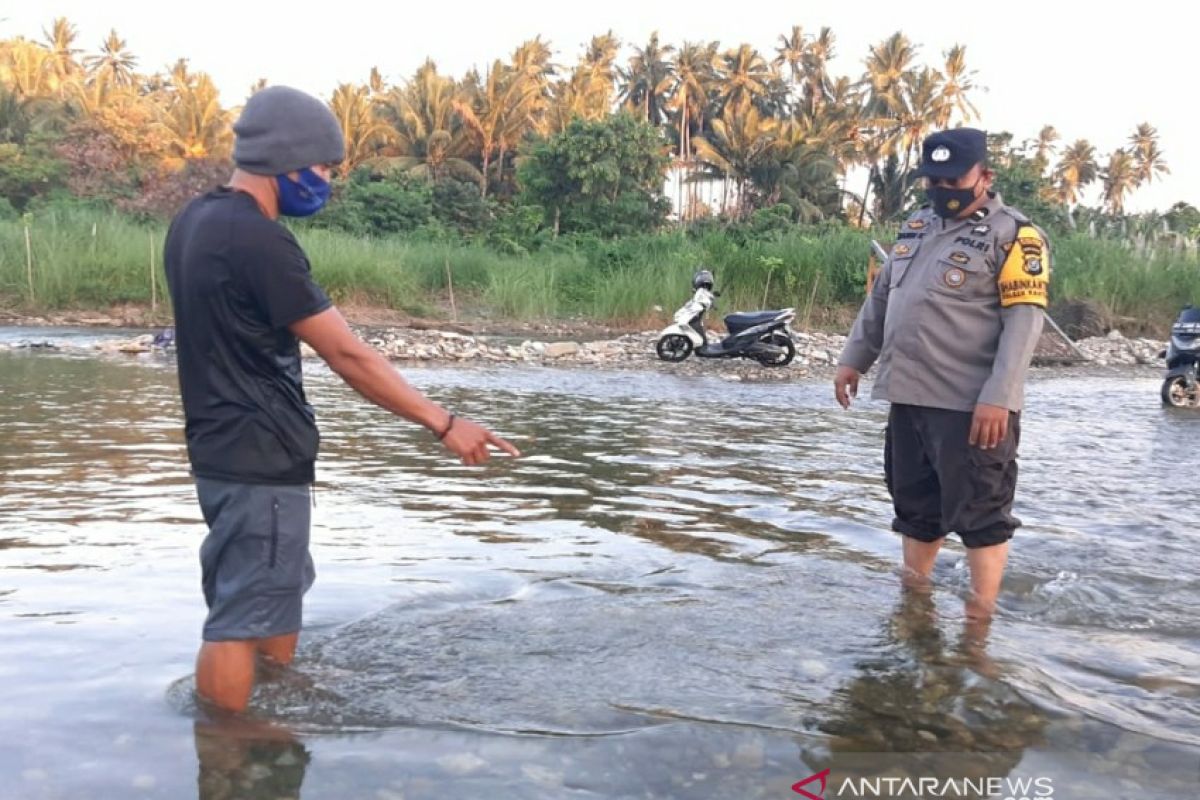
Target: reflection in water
921	707
241	759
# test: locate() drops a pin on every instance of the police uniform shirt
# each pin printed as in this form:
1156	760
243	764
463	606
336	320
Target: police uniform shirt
956	313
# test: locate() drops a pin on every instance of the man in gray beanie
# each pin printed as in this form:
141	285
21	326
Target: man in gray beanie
244	298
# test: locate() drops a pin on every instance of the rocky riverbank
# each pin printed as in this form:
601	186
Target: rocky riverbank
816	353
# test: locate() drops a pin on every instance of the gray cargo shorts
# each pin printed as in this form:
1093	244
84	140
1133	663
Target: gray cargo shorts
255	565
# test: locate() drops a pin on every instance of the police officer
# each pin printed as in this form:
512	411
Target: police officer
953	320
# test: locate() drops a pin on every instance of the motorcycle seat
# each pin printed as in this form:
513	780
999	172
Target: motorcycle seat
748	319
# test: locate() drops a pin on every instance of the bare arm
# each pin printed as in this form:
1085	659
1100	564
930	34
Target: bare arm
370	374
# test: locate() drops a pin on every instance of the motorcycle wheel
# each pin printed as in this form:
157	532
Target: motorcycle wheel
781	340
674	347
1175	393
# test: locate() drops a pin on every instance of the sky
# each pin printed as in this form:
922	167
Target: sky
1092	72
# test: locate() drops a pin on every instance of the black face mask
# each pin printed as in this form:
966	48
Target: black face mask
948	203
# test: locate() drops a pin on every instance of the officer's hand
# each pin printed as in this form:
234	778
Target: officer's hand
845	385
470	442
989	426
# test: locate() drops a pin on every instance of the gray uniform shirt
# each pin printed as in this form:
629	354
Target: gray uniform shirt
933	319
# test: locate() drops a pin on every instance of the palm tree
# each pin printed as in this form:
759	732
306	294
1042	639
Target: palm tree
575	97
532	67
362	131
839	121
893	186
588	92
426	136
695	75
1043	147
915	107
800	172
196	125
816	69
60	40
496	114
599	65
744	77
956	89
647	80
1119	178
1146	153
114	64
24	67
741	139
887	64
1076	170
791	53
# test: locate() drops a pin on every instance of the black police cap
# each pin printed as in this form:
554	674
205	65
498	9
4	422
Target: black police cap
952	153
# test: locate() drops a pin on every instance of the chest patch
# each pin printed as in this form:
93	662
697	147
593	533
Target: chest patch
955	278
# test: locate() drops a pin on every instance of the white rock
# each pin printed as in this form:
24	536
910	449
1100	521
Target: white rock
560	349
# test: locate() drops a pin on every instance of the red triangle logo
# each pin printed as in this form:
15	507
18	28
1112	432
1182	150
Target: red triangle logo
822	776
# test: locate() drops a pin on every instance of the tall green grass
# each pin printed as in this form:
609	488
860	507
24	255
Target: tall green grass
90	259
1150	287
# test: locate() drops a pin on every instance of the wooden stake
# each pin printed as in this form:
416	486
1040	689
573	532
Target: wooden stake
811	297
29	262
450	286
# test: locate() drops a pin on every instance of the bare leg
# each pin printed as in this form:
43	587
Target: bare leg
225	673
987	571
919	558
279	649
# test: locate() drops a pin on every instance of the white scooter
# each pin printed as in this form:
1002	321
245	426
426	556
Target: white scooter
760	335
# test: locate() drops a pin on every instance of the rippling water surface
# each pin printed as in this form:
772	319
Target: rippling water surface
685	589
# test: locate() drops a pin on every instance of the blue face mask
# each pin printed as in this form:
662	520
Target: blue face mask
304	196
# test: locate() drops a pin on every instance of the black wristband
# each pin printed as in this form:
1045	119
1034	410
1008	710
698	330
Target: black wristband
449	424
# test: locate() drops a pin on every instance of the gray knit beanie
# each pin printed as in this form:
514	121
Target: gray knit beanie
282	129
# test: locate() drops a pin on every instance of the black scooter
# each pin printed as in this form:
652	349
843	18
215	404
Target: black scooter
1181	386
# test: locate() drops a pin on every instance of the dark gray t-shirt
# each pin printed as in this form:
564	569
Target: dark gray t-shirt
238	280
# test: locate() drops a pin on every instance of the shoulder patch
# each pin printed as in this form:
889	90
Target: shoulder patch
1025	275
